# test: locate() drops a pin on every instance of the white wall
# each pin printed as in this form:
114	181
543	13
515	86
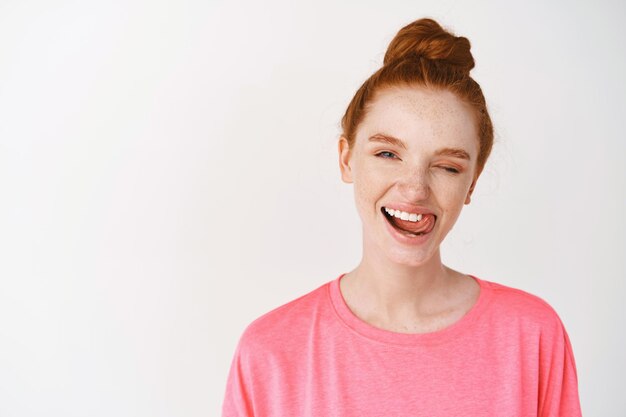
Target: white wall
168	172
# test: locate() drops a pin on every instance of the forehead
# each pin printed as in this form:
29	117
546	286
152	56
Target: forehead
421	116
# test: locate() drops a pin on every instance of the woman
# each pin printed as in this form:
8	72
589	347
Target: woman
402	334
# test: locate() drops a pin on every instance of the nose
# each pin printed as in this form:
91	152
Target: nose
415	185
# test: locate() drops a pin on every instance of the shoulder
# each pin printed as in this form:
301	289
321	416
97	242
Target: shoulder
522	306
285	323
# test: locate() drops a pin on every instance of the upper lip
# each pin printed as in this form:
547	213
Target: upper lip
409	208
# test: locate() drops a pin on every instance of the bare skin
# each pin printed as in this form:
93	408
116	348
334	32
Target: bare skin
401	287
439	308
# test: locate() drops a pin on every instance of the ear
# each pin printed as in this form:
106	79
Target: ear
344	160
471	190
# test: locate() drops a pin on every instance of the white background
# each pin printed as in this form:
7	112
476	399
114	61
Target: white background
168	173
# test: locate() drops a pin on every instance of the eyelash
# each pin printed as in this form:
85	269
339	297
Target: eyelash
448	169
384	152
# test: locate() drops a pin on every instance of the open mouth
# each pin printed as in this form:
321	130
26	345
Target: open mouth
411	228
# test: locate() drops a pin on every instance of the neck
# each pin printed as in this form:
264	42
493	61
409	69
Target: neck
383	291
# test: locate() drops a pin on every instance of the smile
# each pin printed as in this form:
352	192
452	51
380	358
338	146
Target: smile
410	224
403	215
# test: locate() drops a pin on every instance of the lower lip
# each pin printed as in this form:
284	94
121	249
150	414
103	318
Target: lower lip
404	239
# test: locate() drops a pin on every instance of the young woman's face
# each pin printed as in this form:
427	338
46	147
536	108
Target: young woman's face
399	160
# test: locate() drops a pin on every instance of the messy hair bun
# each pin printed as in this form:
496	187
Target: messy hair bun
426	39
424	54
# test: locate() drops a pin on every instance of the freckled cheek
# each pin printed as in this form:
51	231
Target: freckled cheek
451	200
369	189
452	193
451	187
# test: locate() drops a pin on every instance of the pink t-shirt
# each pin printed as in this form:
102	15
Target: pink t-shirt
509	355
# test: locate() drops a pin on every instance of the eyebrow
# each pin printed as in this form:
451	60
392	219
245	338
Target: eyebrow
454	152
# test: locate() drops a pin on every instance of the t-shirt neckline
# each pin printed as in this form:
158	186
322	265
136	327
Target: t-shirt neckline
369	331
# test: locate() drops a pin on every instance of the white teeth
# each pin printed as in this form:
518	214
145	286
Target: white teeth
412	217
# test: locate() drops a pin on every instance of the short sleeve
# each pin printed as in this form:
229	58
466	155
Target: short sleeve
558	379
237	400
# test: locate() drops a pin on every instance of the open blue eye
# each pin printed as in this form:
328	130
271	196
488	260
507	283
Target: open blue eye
379	154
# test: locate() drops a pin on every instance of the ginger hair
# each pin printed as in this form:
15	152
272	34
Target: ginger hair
426	55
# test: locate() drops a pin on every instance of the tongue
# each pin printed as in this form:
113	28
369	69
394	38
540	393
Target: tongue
425	225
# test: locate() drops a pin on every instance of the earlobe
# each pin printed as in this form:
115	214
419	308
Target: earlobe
468	198
344	160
